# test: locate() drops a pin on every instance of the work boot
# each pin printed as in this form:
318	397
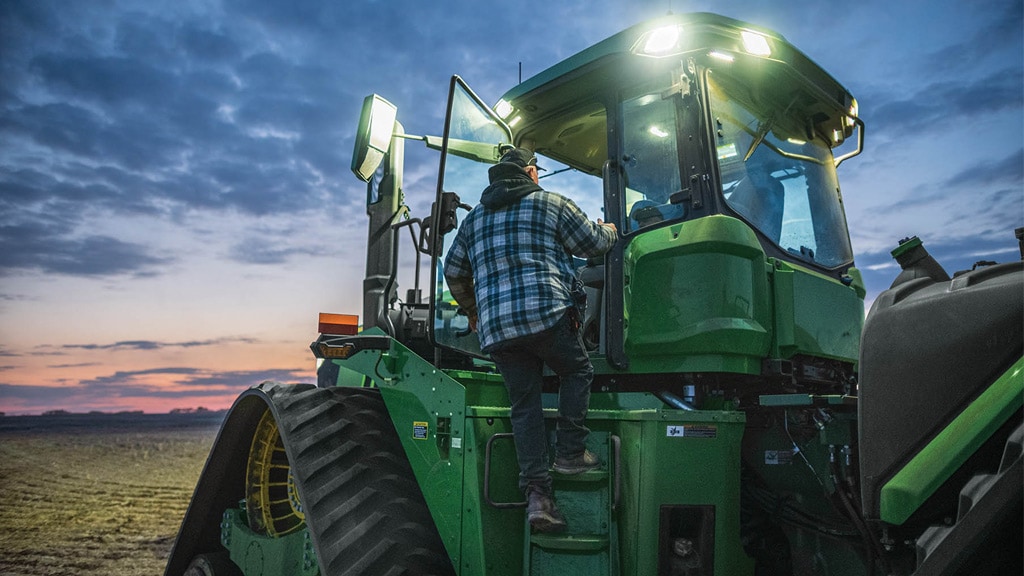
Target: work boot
582	463
542	513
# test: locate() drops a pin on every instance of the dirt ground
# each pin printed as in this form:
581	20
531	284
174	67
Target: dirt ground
96	498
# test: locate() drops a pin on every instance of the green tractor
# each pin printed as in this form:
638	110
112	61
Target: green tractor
750	420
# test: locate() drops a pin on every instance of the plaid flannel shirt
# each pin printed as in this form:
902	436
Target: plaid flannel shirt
520	260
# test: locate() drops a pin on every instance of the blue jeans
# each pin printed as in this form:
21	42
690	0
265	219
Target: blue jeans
521	361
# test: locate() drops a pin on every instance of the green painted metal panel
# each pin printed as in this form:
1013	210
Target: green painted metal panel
446	442
696	298
482	388
655	470
815	315
784	302
806	400
940	458
685	459
428	410
828	317
492	538
348	377
786	400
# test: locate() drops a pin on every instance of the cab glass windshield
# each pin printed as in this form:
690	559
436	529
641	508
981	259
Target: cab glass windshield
777	176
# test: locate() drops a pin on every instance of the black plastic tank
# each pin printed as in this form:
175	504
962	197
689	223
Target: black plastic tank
930	346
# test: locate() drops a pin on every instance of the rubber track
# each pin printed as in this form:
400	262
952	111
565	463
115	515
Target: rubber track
364	510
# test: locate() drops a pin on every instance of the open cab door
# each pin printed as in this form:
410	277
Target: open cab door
472	136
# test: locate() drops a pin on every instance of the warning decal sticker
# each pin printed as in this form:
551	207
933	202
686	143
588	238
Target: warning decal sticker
776	457
419	430
691	431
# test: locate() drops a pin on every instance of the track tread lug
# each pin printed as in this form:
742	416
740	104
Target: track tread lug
361	499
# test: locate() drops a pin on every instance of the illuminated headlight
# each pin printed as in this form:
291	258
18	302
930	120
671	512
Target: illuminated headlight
850	122
664	41
755	43
503	109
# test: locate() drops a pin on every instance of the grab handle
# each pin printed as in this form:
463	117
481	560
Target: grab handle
487	475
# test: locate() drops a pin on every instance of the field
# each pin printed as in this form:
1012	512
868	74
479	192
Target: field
97	494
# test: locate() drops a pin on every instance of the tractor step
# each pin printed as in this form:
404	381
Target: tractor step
571	542
587	500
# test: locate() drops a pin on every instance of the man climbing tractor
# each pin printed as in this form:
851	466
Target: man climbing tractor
511	265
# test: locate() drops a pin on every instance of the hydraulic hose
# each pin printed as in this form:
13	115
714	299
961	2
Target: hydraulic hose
674	401
870	544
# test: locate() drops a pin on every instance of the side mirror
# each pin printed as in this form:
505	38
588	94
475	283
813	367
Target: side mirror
373	137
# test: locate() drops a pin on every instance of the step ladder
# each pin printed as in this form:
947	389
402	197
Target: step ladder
588	501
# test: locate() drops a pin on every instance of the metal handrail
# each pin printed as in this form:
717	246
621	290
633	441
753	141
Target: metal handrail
487	475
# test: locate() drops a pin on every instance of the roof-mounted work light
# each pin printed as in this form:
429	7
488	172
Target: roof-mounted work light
660	42
755	44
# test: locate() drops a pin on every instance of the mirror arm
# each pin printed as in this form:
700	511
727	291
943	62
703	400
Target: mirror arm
860	144
411	137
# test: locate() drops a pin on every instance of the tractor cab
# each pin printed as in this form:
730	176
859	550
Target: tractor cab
695	136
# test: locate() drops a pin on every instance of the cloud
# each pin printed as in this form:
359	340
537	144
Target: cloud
1001	30
173	382
126	385
154	114
105	80
247	378
1008	170
932	106
268	252
76	365
37	246
146	345
990	182
43	395
5	353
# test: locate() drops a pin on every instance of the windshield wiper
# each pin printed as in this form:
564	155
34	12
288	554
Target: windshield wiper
763	128
762	131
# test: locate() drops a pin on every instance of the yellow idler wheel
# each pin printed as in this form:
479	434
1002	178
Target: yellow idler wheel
271	500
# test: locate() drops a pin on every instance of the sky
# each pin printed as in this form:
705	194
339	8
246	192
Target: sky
176	204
